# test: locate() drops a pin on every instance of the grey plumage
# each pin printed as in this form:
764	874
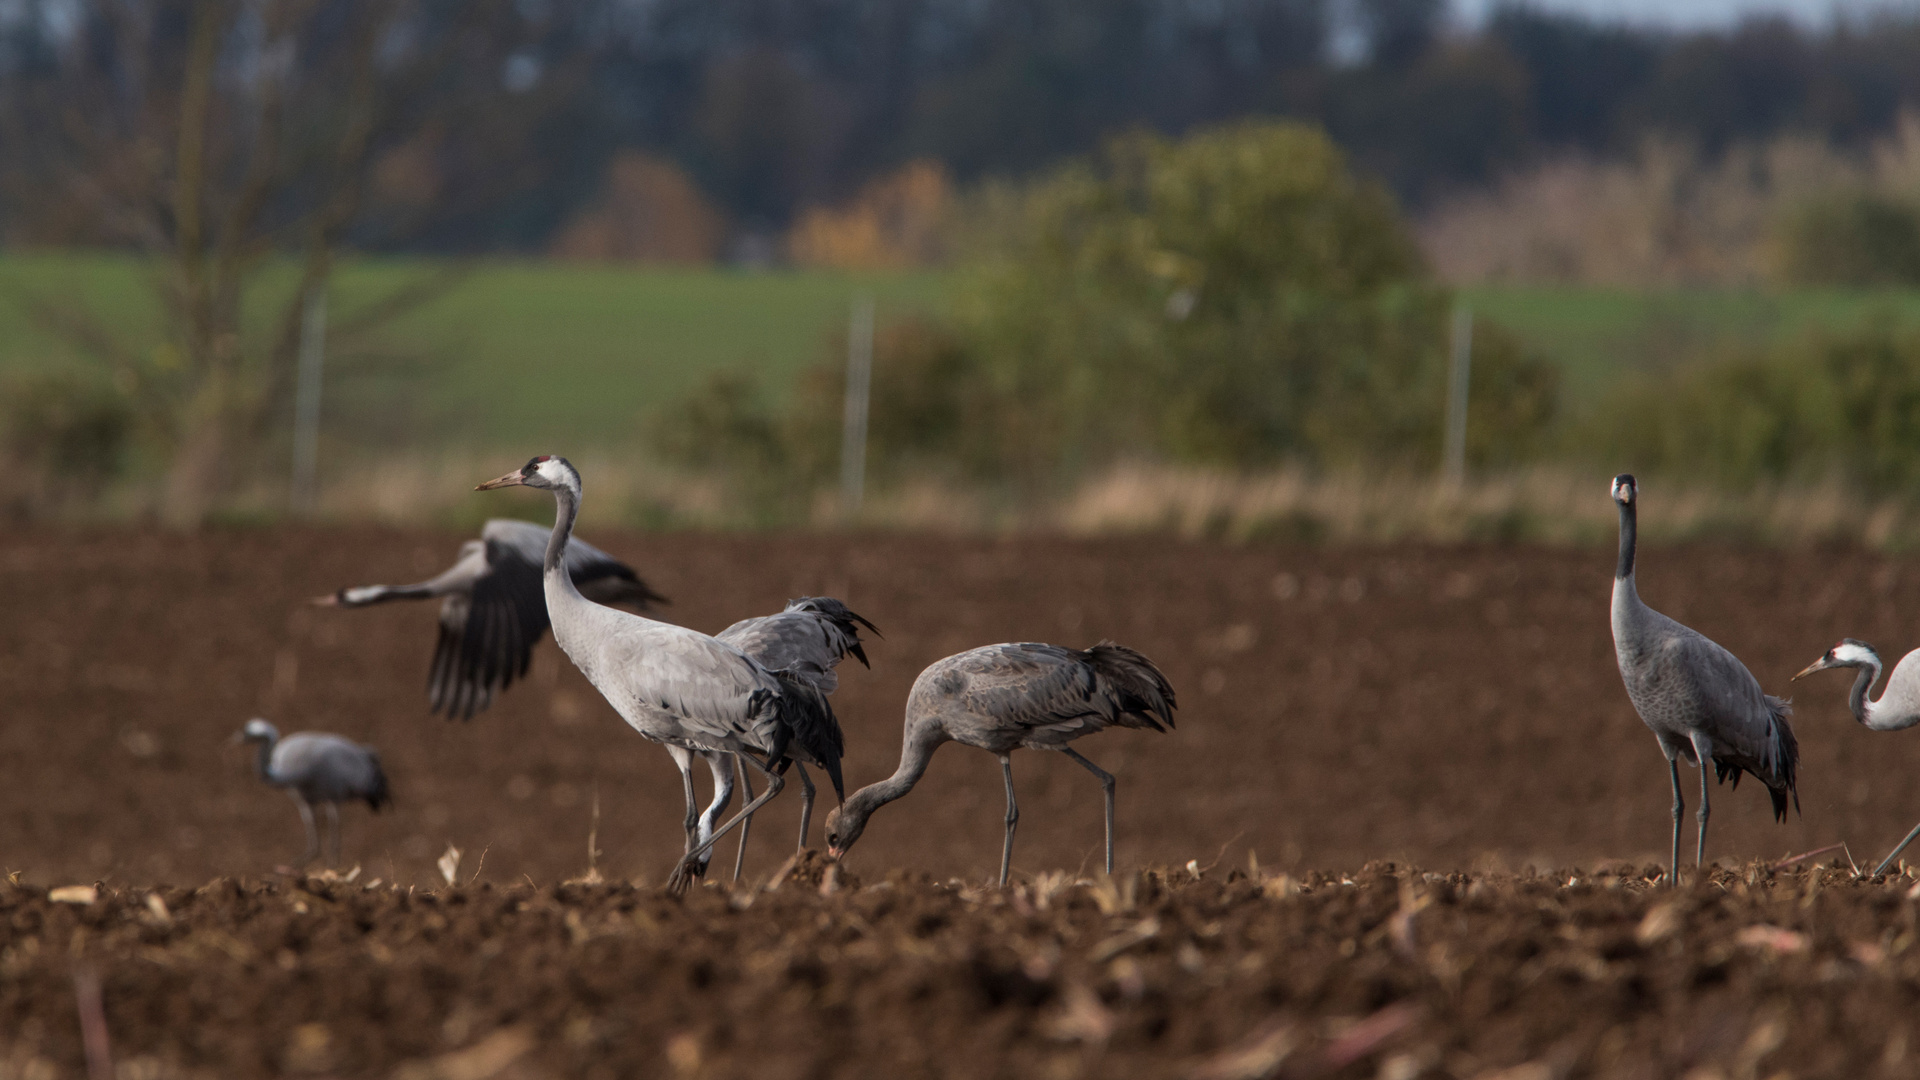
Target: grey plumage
1700	701
813	633
493	610
674	685
1897	708
806	641
317	769
1005	697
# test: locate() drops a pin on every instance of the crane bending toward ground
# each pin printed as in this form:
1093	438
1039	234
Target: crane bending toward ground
1898	706
1700	701
807	639
317	768
492	609
1004	697
675	686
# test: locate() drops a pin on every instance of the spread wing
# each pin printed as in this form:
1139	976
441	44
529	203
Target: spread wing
599	576
489	627
487	634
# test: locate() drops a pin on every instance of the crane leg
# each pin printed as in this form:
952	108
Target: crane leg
683	759
682	875
313	834
1679	808
1106	786
721	767
1703	751
806	803
1895	853
746	789
333	831
1013	819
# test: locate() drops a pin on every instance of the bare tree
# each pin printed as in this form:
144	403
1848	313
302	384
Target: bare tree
236	141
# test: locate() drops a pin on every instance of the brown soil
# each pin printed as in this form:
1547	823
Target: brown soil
1453	709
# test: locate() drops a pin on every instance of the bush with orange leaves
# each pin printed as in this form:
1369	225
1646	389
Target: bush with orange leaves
895	222
649	210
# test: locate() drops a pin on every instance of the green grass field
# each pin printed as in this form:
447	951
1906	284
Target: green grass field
563	355
512	352
1597	334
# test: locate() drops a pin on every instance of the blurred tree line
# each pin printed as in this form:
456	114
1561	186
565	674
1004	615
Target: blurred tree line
1235	299
775	105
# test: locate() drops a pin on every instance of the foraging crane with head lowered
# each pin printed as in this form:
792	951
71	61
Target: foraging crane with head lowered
1004	697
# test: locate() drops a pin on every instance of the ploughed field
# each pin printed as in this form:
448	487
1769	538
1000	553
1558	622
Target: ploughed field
1450	716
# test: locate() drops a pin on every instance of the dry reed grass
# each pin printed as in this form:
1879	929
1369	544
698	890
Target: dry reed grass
1549	504
1553	504
1666	216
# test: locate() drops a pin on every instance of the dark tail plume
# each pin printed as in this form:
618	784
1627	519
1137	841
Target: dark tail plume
814	729
379	794
841	616
1778	768
1136	686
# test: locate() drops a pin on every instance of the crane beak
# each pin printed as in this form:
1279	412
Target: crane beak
512	479
1821	664
329	600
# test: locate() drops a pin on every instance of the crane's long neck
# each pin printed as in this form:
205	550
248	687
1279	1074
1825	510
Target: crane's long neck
915	753
1897	707
1628	610
263	760
566	499
1629	539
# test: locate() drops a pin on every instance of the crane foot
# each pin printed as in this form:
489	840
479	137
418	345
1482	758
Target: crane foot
685	873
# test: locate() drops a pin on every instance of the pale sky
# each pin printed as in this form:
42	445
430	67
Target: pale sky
1696	14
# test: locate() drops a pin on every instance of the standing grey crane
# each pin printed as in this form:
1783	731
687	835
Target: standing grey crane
315	767
492	610
807	639
1003	697
1700	700
675	686
1897	708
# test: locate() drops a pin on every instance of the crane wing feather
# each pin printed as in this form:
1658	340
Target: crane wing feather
809	638
487	635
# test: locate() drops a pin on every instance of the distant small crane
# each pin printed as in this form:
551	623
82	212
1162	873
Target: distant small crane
1004	697
1897	708
1700	701
492	610
317	768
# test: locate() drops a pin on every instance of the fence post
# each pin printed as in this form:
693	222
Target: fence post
1458	380
306	401
853	436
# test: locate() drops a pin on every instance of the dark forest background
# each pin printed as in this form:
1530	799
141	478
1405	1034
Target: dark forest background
772	106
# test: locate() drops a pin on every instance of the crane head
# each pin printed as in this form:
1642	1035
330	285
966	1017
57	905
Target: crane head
1848	653
1624	489
845	823
545	471
257	730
